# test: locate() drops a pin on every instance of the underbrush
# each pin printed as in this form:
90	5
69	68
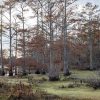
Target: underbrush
94	83
22	92
39	88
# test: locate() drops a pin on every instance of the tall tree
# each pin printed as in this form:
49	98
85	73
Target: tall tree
1	36
9	4
89	13
23	30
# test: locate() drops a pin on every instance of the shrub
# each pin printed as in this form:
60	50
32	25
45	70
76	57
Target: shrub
22	92
53	78
43	72
37	72
71	86
94	83
44	79
62	86
4	87
64	79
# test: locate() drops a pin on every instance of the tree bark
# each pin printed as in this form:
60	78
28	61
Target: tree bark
10	33
66	69
90	45
53	75
2	66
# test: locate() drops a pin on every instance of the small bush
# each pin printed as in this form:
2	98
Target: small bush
71	86
74	85
37	72
44	79
94	83
1	85
62	87
67	74
64	79
4	87
43	72
22	92
53	78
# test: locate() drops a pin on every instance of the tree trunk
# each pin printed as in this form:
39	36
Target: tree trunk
16	54
10	33
24	51
90	45
53	76
2	73
66	69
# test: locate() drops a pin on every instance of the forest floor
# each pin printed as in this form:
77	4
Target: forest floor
70	87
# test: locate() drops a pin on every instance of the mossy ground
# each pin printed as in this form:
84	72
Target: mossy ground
59	88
